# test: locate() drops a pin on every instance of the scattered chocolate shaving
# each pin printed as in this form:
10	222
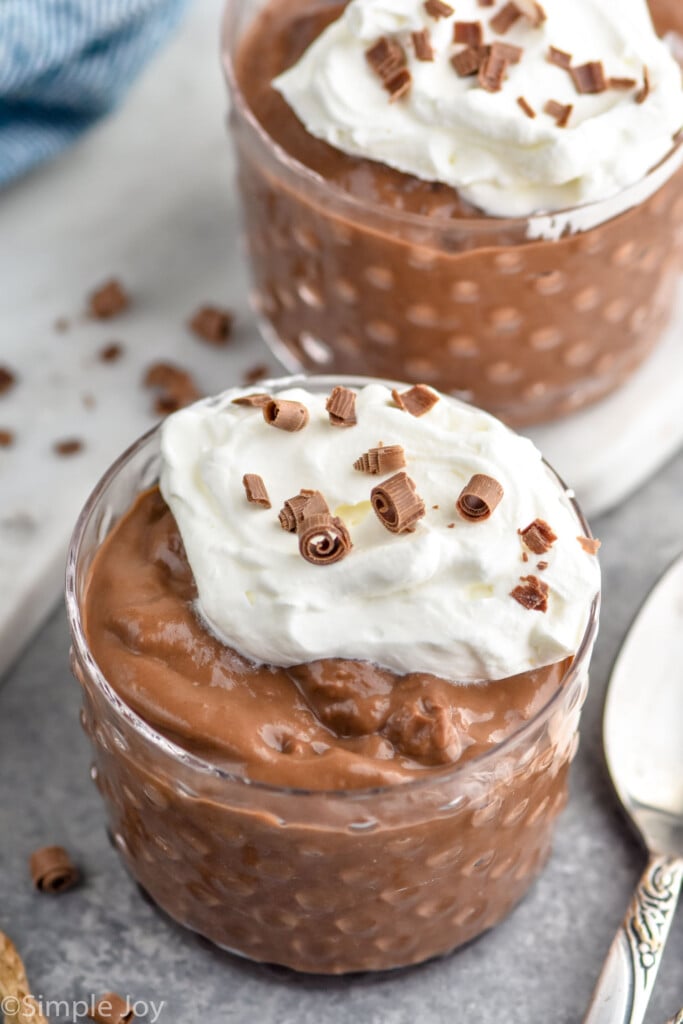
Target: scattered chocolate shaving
6	438
422	43
52	870
397	504
451	526
399	85
256	401
590	544
542	566
285	415
646	88
526	107
176	387
381	460
417	400
508	52
532	593
437	9
492	71
471	33
467	62
538	536
560	58
589	78
525	557
212	324
15	991
70	446
505	19
323	539
622	83
386	57
112	1009
311	503
111	353
108	301
561	112
7	380
255	373
341	407
533	12
480	498
256	490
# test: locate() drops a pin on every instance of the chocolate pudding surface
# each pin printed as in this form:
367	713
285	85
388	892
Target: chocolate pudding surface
327	725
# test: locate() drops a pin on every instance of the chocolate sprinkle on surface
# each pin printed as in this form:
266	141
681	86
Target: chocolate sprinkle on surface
52	870
323	539
286	415
532	593
417	400
423	45
542	566
559	111
644	91
467	62
309	503
399	85
480	498
437	9
622	83
512	54
70	446
538	536
256	401
506	18
533	12
112	352
7	380
212	324
397	504
112	1008
589	78
341	407
175	386
492	72
471	33
6	438
108	301
590	545
386	57
526	107
381	460
255	490
560	58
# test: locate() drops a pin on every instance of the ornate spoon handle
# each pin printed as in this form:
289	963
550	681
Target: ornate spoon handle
628	977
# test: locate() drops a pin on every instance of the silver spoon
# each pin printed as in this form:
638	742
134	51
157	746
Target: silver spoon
643	733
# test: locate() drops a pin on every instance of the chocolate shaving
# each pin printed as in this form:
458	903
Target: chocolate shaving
646	88
561	112
70	446
323	539
533	12
20	1007
560	58
7	380
467	62
111	353
341	407
386	57
506	18
622	83
285	415
308	503
542	566
175	386
397	504
471	33
422	43
380	460
52	870
526	107
256	490
437	9
492	71
108	301
6	438
589	78
532	593
525	557
399	85
256	401
417	401
212	324
590	545
480	498
538	536
112	1009
512	54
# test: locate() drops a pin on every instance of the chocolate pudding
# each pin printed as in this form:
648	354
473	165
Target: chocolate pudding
334	814
360	267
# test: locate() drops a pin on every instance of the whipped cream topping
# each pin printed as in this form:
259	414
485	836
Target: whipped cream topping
436	600
449	129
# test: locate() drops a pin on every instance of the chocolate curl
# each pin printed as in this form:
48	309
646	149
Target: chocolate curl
20	1007
417	401
284	415
341	407
112	1008
292	513
256	401
52	870
591	545
323	539
256	490
480	498
378	461
397	504
532	594
538	536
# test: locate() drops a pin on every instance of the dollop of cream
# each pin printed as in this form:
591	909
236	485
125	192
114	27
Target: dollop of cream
436	600
450	129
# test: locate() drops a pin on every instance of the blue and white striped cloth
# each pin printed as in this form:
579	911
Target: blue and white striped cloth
64	63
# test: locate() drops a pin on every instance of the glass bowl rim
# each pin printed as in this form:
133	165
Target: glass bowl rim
85	658
539	221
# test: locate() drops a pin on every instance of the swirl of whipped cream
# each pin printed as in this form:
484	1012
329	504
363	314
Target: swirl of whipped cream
450	129
436	600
